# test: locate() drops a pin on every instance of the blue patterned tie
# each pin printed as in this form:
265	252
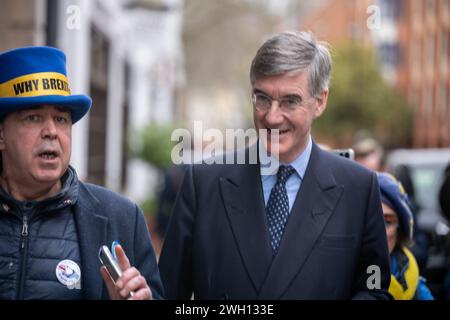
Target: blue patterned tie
278	207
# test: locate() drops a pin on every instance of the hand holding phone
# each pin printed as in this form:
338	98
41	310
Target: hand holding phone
132	281
111	264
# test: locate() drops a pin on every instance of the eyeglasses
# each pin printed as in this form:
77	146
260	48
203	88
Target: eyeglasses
262	102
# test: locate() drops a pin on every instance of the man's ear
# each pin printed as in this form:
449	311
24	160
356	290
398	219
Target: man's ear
321	104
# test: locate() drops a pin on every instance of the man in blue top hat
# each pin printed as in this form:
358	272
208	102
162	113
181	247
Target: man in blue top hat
51	224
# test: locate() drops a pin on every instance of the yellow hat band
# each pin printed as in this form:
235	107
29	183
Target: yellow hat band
36	84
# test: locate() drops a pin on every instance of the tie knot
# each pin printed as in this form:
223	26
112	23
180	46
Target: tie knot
284	172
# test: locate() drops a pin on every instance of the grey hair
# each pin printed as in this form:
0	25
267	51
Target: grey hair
294	51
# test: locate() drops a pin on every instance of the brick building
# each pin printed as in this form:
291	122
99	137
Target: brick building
412	43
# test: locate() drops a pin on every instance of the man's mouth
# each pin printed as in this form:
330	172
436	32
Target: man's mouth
280	131
48	155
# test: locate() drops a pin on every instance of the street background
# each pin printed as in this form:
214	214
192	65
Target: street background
151	66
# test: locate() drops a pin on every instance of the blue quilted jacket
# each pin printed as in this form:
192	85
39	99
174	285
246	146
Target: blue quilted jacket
38	238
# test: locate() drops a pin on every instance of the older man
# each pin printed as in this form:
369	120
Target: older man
51	224
312	230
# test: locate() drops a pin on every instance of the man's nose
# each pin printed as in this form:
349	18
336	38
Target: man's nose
274	115
49	130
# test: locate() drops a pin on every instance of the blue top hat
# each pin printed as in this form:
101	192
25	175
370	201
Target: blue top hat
393	194
34	76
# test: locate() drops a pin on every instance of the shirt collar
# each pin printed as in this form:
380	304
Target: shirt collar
300	163
302	160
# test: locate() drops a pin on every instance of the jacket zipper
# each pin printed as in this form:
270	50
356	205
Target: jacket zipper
26	220
24	253
24	232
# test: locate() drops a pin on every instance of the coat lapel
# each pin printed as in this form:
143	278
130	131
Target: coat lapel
314	204
92	229
243	200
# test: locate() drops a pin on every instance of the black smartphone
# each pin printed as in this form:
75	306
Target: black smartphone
107	259
346	153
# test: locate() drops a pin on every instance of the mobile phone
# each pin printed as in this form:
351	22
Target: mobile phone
107	259
346	153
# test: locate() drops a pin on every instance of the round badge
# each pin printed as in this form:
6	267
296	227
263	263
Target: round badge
68	273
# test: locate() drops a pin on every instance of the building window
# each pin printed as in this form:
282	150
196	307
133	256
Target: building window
390	54
444	53
428	103
430	6
98	114
445	10
443	99
429	55
390	9
417	11
415	57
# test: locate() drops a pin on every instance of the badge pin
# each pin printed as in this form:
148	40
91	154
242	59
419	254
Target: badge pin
69	274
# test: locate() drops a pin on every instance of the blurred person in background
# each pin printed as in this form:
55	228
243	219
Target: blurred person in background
421	245
444	193
406	282
369	153
444	202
